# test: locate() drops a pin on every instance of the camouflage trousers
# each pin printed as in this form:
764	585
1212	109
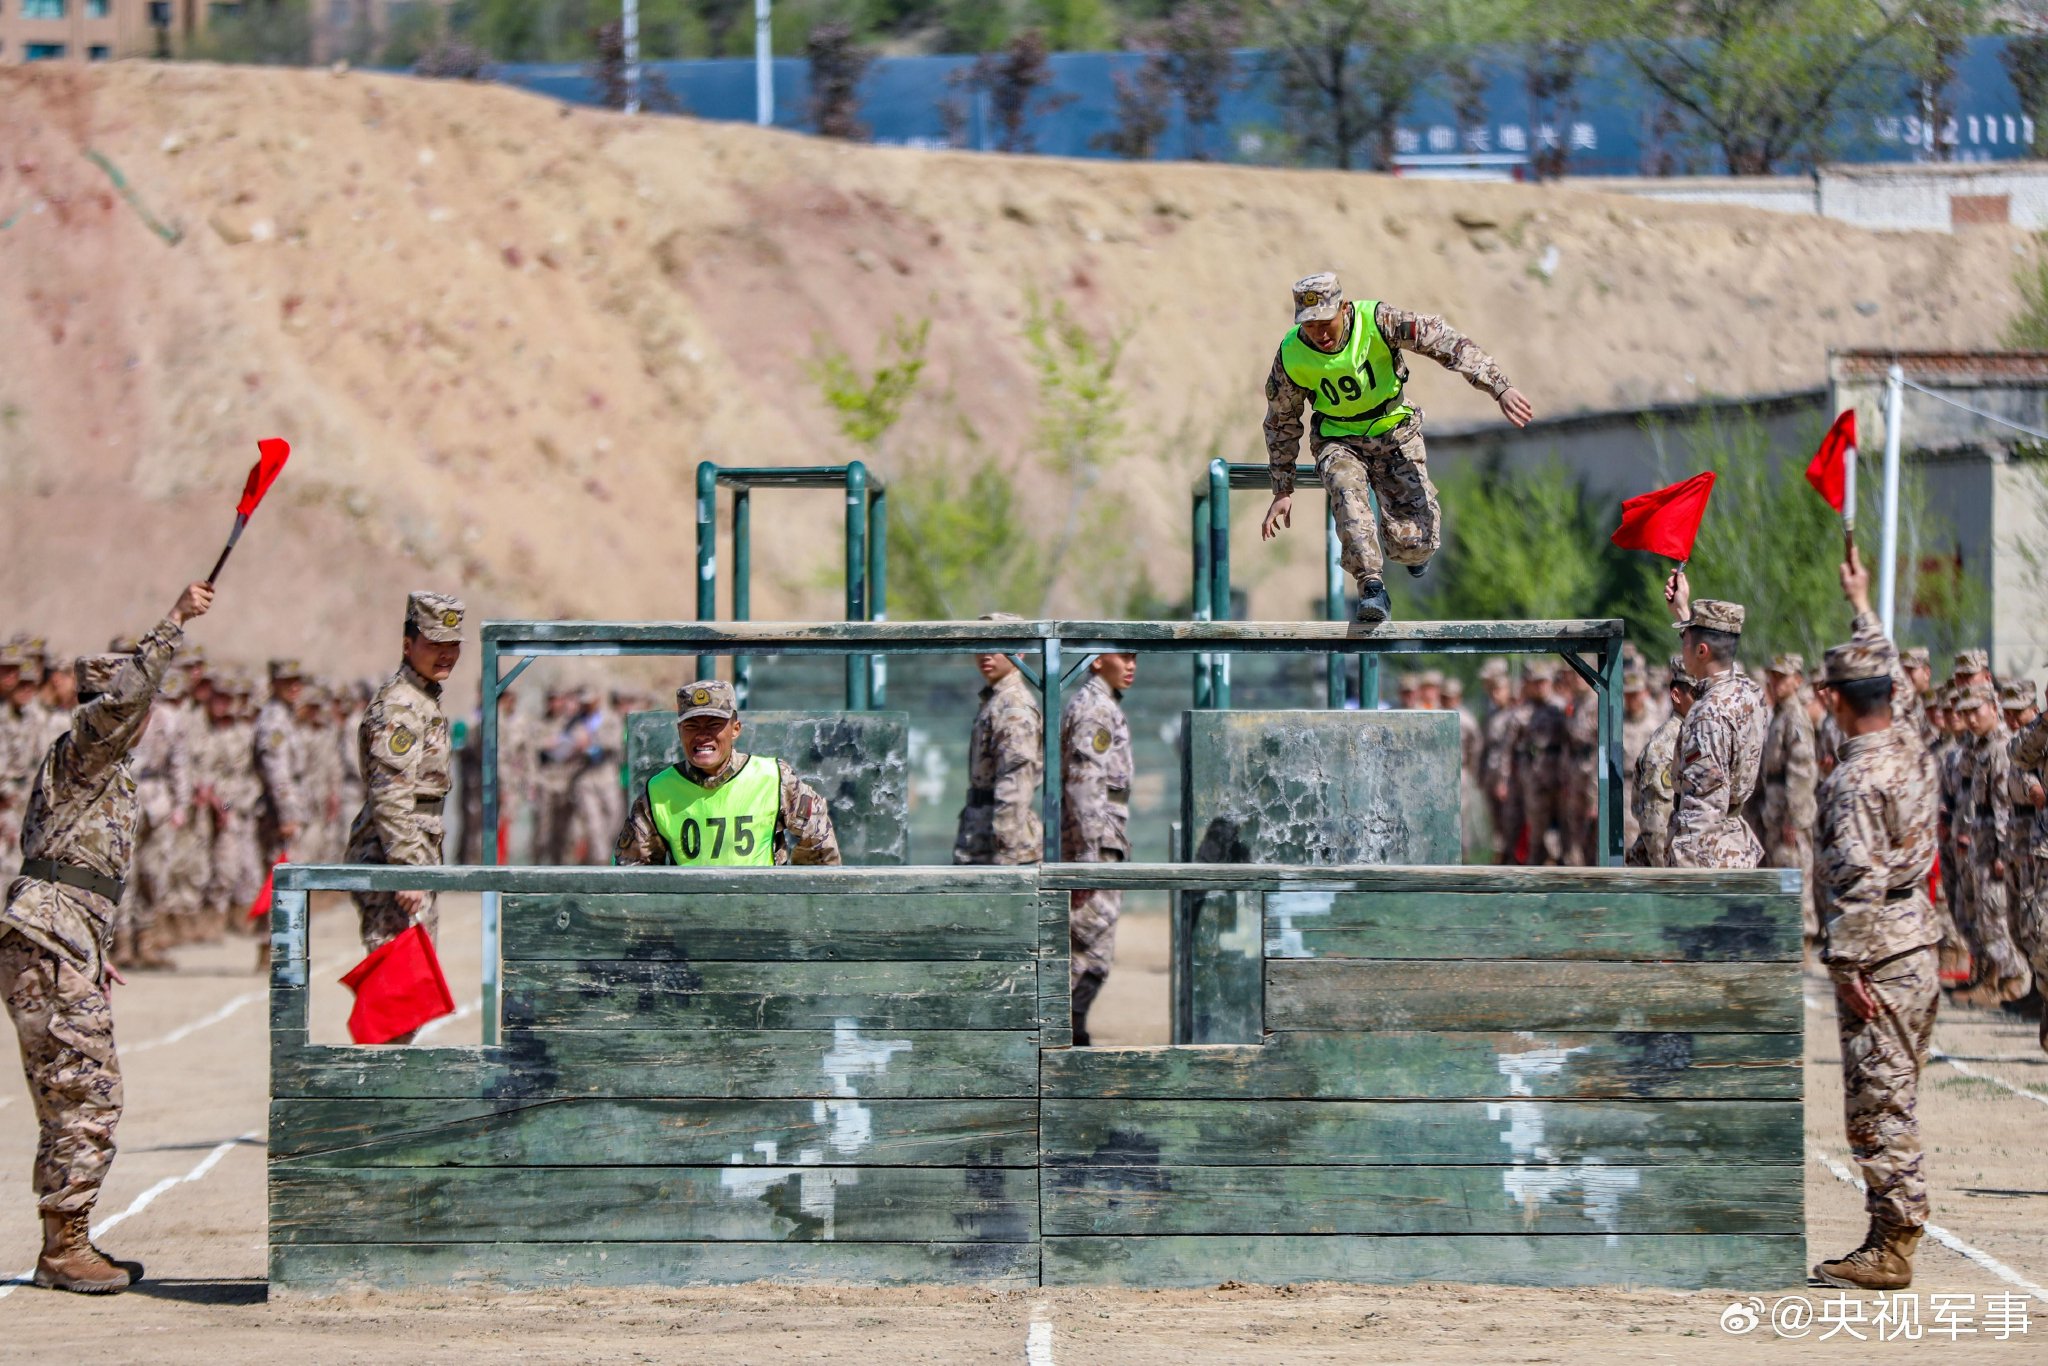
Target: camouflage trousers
234	869
381	919
1541	808
1797	854
597	808
2030	916
1984	915
1881	1062
1396	468
66	1028
1507	822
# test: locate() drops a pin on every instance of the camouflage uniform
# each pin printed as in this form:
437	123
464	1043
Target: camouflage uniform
1876	849
1983	837
596	801
2030	917
1636	733
162	765
803	819
1005	759
1095	816
1393	464
19	727
1790	773
1541	766
1577	801
1497	767
280	768
1720	750
224	768
54	935
403	747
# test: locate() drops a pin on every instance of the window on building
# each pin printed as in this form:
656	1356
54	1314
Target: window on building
95	9
43	9
220	10
98	52
43	52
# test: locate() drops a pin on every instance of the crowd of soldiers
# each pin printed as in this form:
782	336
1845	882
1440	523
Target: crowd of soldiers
561	776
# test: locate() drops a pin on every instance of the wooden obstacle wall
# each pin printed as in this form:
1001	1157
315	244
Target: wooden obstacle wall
1536	1076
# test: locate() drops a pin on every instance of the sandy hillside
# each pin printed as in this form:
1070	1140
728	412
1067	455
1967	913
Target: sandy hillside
502	332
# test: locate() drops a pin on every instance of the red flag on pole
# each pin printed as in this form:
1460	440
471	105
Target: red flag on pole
398	988
1665	521
1834	463
272	452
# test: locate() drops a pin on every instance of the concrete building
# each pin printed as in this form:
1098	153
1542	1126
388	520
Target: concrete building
76	30
1924	197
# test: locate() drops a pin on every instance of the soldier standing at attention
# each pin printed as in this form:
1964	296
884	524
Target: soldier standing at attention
1878	937
1344	362
1790	774
1720	746
404	744
226	786
1540	763
162	766
1656	779
1638	724
999	823
2030	913
719	808
1983	838
1095	817
77	842
1497	761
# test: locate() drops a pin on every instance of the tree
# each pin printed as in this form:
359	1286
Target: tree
1550	74
838	65
608	69
1013	80
1348	69
1080	427
270	33
2026	63
1143	96
1200	40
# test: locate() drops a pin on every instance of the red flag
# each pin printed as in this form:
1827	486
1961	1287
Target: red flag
260	907
1665	521
398	988
272	451
1829	472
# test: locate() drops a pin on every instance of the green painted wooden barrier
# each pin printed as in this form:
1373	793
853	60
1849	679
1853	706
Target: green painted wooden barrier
1529	1076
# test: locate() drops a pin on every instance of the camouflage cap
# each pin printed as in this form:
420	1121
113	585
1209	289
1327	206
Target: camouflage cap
11	655
1790	665
96	673
1975	695
1973	661
1712	614
1410	681
174	685
1858	660
1917	658
1317	298
1494	670
123	645
190	657
283	669
1432	678
2016	694
1634	680
1538	671
1454	688
436	616
706	697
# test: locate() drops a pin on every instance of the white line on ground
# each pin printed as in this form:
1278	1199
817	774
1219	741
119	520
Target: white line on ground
1938	1056
144	1200
1038	1341
186	1031
1942	1235
469	1008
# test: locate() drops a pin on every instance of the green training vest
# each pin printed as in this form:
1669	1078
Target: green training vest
1354	390
731	827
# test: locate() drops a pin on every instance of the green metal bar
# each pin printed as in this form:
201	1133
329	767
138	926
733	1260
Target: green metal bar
1333	600
742	582
505	683
487	805
1049	709
1609	793
1030	673
878	587
1369	665
707	555
857	666
1219	571
784	476
1201	599
1076	669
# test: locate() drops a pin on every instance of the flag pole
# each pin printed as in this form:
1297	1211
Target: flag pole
227	550
1849	504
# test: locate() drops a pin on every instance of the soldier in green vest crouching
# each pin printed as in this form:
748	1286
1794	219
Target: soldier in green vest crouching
722	808
1343	361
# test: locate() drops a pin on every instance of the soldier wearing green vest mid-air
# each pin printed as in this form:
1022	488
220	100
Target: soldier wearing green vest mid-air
1344	362
719	808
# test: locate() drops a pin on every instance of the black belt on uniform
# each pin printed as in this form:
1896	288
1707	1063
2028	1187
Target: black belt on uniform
1120	794
980	796
1906	893
428	803
71	875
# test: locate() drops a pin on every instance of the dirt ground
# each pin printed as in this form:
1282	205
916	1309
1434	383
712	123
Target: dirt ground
188	1192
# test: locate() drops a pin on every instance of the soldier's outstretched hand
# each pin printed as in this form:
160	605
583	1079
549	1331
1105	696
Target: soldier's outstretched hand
1515	407
1678	596
1856	581
193	602
1278	516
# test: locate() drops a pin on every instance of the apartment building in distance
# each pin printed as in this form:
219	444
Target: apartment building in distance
100	30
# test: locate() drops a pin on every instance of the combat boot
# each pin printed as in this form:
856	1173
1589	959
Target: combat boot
1373	604
1883	1262
71	1262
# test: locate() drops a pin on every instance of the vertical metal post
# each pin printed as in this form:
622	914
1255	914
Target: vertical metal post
1609	791
856	578
878	588
1219	574
764	64
1199	601
1049	708
742	582
1888	553
629	32
1333	601
707	555
487	723
1369	664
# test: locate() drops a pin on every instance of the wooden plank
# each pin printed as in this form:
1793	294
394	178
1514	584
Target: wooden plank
329	1267
1590	925
543	1064
1749	1262
654	1133
1563	1199
1406	1065
735	927
791	881
1336	993
654	1204
1234	877
626	995
1147	1135
1055	954
1220	969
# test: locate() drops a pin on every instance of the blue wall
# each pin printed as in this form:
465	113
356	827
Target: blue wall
1609	134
